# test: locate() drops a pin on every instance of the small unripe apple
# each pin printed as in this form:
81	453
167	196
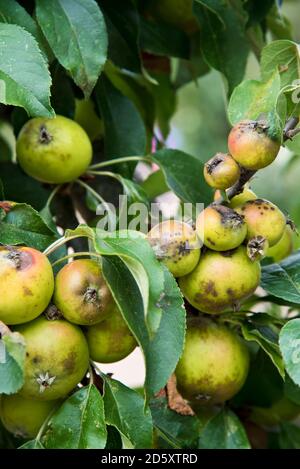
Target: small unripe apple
57	358
251	145
283	248
176	12
221	228
81	293
214	364
221	171
24	417
54	150
86	117
26	285
111	340
176	244
221	280
263	219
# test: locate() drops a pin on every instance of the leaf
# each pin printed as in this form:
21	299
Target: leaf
291	390
13	13
284	57
24	78
155	184
122	21
267	338
12	363
224	43
165	101
224	431
124	409
164	350
140	259
19	187
184	175
163	39
289	436
76	32
283	280
125	132
79	423
114	440
289	343
178	430
252	98
263	385
24	225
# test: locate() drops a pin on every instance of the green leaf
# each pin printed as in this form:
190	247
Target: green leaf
178	430
155	184
284	56
164	39
125	132
124	409
252	98
289	436
147	271
291	390
283	280
267	338
24	225
289	342
122	21
13	13
114	440
76	32
224	431
12	356
164	350
165	101
263	385
79	423
224	43
24	78
184	175
19	187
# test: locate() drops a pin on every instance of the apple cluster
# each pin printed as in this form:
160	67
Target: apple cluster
217	263
65	321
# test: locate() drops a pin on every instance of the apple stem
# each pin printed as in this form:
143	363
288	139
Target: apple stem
76	254
125	159
60	242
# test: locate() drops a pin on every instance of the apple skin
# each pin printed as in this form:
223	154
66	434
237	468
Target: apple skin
55	150
87	118
26	285
81	293
57	348
111	340
263	218
243	197
221	171
176	244
221	228
24	417
283	248
251	146
221	280
214	364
